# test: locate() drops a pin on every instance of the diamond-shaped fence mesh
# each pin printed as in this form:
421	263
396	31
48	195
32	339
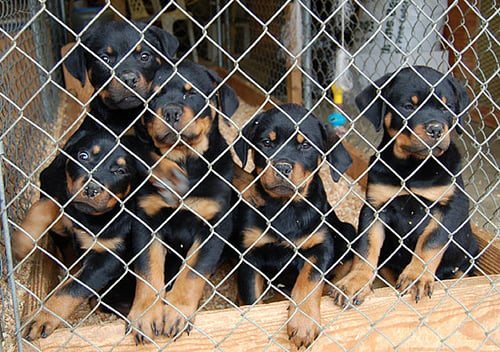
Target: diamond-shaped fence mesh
172	258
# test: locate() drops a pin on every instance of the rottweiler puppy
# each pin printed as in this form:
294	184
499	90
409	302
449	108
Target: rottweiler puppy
98	182
118	46
415	222
181	245
291	234
104	47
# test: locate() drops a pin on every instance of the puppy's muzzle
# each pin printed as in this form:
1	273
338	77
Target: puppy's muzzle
283	169
434	129
130	78
172	114
92	190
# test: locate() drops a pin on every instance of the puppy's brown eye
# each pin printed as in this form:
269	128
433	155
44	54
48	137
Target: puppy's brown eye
83	156
105	58
145	56
410	107
304	146
119	171
266	143
449	107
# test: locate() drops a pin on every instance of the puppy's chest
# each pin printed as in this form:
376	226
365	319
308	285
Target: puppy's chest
98	236
291	223
429	183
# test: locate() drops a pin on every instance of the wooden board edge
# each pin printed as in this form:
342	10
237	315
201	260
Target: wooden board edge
453	312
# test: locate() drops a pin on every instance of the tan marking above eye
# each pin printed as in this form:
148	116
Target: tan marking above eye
109	50
414	99
300	138
188	86
272	135
96	149
138	48
121	161
387	120
444	100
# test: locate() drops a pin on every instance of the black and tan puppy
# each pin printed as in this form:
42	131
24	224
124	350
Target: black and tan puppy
188	238
416	221
98	180
285	239
106	47
117	46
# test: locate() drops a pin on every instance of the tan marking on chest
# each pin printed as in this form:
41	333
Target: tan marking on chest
100	245
253	237
441	194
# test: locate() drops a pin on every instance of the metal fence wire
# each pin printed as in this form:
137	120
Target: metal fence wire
302	51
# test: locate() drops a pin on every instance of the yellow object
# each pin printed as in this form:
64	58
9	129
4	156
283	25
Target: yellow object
338	94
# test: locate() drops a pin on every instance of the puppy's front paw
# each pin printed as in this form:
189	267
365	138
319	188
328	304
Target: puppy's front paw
42	326
146	322
177	319
352	289
415	281
171	181
302	328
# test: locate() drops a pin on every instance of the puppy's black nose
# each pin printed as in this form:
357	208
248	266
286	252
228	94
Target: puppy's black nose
130	78
92	190
172	113
284	168
434	129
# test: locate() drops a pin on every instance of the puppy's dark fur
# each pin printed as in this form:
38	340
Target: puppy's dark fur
298	248
96	222
415	189
116	108
190	236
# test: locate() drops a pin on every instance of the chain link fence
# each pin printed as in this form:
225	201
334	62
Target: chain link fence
277	49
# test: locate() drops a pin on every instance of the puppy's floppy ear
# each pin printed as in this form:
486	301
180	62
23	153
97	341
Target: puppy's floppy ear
228	99
249	132
376	106
462	99
339	158
76	64
168	42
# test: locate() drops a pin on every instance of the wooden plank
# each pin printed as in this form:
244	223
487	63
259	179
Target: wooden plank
294	43
248	92
465	317
294	86
490	260
461	29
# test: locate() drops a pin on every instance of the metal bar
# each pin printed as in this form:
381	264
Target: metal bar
11	282
41	54
219	33
306	62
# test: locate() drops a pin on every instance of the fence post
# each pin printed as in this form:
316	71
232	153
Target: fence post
11	282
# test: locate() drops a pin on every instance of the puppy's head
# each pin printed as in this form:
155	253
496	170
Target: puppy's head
288	144
184	109
98	173
416	107
118	46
